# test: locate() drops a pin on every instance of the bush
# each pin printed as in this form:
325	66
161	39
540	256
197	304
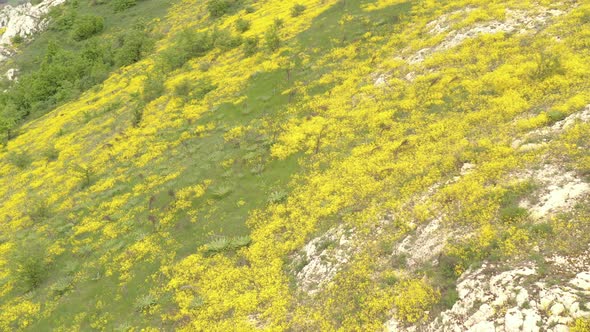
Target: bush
31	268
17	40
272	39
189	44
251	46
145	303
153	87
202	87
513	213
132	46
183	89
218	8
297	10
243	25
63	285
223	243
87	26
20	159
224	40
555	116
121	5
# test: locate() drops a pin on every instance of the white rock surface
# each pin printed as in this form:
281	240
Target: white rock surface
23	20
516	21
487	298
561	190
324	257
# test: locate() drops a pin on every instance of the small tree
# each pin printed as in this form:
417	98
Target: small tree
272	39
297	10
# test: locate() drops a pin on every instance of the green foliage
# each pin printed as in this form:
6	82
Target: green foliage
153	87
297	10
272	39
38	210
223	243
65	69
277	196
251	45
243	25
51	154
132	45
189	44
20	159
555	115
202	87
183	89
31	267
548	64
87	26
63	285
222	191
513	213
121	5
145	303
218	8
137	114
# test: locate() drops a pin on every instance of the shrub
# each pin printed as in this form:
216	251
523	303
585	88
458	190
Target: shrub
223	243
132	46
121	5
251	46
218	245
20	159
63	285
202	87
222	191
277	196
413	299
183	89
62	18
224	40
145	303
218	8
242	25
87	26
17	40
297	10
513	213
31	268
188	44
555	116
38	209
153	87
272	39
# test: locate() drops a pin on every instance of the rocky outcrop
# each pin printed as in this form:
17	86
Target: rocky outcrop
519	299
323	257
24	21
516	22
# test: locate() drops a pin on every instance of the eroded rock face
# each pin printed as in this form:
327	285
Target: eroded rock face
323	257
516	22
561	190
22	20
519	299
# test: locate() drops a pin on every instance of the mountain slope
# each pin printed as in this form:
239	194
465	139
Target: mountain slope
335	165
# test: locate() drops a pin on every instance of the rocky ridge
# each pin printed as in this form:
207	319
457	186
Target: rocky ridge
23	20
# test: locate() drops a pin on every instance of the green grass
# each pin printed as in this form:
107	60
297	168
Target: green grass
250	183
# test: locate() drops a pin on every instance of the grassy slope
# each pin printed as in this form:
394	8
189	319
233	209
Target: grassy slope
344	150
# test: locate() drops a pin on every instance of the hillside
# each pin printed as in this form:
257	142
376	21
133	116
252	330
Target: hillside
350	165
